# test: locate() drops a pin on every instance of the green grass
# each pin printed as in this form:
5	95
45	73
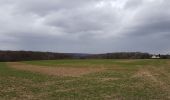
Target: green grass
110	84
98	62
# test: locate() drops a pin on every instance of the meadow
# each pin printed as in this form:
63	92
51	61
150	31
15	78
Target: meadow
87	79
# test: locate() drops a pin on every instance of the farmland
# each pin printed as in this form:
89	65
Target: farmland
95	79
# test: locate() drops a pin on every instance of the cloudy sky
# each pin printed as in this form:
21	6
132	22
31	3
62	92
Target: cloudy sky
85	26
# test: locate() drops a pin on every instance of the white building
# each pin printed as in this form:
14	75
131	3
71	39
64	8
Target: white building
155	57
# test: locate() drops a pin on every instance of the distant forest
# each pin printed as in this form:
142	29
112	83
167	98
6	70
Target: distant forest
32	55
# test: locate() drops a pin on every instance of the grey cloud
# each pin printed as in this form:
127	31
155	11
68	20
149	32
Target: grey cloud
92	26
43	7
87	21
161	29
133	4
151	20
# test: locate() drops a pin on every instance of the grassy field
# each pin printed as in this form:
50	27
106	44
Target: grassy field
116	80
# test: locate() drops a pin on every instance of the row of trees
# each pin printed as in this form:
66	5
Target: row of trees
30	55
165	56
122	55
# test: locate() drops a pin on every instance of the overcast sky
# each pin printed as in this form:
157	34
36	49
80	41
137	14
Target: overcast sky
85	26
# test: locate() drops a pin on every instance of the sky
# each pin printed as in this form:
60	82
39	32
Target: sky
85	26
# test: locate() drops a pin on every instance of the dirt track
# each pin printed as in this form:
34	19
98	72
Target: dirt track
59	71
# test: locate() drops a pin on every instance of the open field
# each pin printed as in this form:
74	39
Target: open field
85	80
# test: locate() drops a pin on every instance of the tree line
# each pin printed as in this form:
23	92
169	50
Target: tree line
122	55
128	55
32	55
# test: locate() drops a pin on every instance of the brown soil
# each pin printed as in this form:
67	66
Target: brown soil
109	79
127	60
59	71
151	76
145	73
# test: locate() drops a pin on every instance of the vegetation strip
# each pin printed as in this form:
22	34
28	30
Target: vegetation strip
59	71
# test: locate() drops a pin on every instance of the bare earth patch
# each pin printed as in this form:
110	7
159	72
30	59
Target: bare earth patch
145	74
59	71
109	79
148	75
127	61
